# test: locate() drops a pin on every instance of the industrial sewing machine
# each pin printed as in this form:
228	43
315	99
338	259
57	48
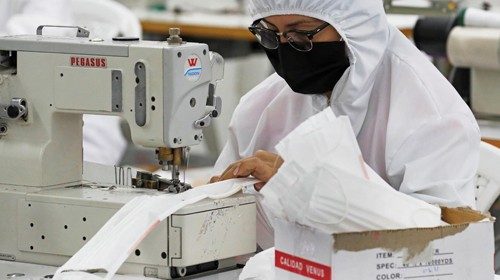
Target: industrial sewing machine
165	92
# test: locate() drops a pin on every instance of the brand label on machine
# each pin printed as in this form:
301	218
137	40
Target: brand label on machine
192	68
87	61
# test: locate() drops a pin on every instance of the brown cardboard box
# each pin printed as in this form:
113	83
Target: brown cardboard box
462	250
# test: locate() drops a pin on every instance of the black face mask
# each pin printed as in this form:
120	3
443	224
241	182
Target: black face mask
314	72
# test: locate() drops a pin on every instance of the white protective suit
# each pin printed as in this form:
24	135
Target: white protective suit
103	141
412	127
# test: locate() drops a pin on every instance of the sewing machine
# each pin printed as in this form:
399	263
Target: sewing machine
165	91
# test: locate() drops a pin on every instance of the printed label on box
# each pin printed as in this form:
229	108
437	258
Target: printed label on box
391	266
302	266
453	252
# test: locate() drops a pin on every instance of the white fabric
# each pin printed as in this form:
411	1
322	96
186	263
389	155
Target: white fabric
114	242
325	184
488	181
106	18
259	267
24	16
103	140
411	125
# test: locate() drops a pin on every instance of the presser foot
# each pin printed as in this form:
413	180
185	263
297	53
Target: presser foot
152	181
173	186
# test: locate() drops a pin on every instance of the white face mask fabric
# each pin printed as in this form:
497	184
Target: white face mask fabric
259	267
114	242
324	183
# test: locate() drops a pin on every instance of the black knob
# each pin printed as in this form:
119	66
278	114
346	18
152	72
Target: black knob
13	112
125	39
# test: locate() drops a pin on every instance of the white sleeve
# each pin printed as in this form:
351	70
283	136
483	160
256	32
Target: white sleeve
438	162
228	155
103	140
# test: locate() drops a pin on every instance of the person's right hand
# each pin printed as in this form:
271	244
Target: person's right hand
262	165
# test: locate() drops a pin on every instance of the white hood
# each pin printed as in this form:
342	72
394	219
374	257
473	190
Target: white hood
364	27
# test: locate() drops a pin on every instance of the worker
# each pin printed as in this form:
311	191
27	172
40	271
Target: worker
103	141
411	125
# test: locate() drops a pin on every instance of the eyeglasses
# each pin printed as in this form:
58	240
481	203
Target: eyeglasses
300	40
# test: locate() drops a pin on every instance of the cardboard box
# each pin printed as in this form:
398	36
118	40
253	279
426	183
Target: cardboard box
463	250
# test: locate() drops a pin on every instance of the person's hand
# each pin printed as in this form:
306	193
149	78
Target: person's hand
262	165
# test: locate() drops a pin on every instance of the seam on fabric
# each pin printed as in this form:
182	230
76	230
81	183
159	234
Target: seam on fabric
457	196
391	158
427	91
366	87
372	74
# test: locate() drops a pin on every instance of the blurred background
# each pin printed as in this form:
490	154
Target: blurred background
222	24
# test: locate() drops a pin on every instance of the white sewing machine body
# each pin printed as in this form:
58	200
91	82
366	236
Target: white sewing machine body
161	90
49	226
62	78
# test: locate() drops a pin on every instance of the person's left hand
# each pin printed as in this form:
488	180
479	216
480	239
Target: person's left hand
262	165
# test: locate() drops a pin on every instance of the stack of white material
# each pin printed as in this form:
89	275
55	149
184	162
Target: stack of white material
114	242
325	184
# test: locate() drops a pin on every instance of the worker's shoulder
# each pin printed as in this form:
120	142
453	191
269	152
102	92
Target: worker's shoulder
268	89
263	95
409	63
414	77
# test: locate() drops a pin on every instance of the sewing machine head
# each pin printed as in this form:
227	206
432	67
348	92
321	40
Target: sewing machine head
163	90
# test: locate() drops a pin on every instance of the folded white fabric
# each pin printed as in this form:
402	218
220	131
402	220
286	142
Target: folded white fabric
259	267
324	183
105	252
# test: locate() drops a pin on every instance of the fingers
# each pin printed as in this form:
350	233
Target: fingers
214	179
251	166
255	167
278	162
266	156
229	172
228	169
233	170
263	165
272	159
259	186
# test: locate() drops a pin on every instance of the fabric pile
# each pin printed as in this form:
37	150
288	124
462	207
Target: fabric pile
325	184
132	223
